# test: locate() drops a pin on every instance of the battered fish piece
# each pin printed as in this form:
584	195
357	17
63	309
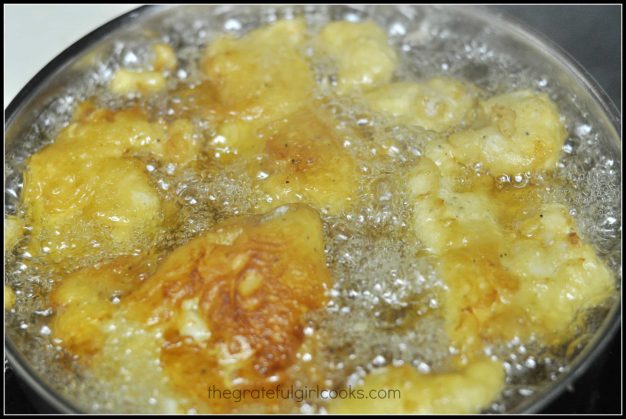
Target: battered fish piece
304	161
146	81
126	81
468	390
447	216
560	275
101	132
232	300
90	174
263	75
86	300
438	104
509	272
361	52
252	81
229	305
531	284
113	198
523	132
164	57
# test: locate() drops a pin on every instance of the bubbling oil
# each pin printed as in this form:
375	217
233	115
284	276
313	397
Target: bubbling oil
384	307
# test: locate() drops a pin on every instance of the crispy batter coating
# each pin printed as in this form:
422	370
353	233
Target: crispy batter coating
523	132
361	52
404	390
305	162
86	194
85	300
229	304
164	57
514	266
125	81
438	104
250	281
112	198
263	75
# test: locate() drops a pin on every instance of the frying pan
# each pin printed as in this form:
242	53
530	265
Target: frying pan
35	99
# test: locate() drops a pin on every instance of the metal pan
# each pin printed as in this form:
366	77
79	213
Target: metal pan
38	99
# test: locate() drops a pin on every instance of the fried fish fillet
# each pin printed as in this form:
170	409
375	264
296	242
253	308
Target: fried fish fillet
87	193
229	305
361	53
404	390
514	265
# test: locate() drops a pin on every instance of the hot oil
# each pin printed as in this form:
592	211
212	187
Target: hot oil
384	308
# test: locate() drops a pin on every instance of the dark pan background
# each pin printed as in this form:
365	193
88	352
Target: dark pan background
592	35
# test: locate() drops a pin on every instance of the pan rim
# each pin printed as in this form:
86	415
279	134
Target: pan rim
568	64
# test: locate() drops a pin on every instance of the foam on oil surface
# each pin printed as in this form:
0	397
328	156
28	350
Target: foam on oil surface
383	306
